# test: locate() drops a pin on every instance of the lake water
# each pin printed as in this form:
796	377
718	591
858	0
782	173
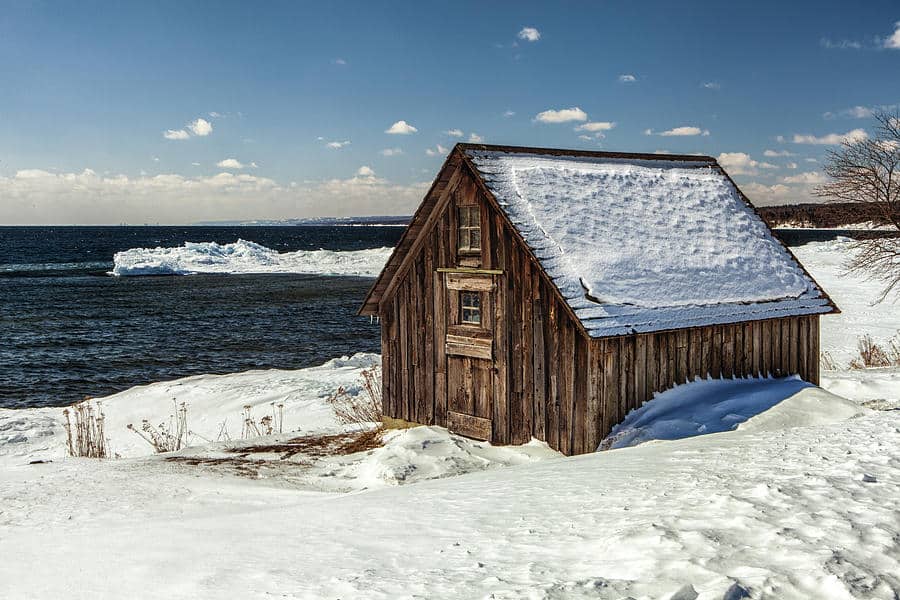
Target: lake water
70	330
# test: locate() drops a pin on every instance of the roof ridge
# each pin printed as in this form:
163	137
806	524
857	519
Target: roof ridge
585	153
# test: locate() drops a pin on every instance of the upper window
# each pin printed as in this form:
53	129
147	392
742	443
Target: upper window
470	308
469	230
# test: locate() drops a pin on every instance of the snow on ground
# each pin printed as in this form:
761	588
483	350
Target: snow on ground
796	501
716	405
246	257
854	295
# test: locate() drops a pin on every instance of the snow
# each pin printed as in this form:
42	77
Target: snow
716	405
854	294
794	497
645	245
246	257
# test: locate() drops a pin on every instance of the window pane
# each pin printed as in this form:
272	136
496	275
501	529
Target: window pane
475	239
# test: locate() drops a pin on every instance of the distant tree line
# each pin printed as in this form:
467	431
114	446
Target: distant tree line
830	214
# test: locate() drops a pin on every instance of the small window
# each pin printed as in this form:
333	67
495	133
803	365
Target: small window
469	230
470	308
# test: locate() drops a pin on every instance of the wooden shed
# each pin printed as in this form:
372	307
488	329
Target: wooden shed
546	293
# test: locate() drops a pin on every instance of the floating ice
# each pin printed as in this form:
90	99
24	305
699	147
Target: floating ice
246	257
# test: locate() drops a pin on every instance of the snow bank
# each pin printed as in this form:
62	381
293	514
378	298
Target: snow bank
246	257
716	405
211	400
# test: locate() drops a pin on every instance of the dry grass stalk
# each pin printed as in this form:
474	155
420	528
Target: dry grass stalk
85	435
163	437
266	425
362	408
873	355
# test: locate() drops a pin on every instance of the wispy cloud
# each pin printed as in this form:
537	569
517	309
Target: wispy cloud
740	163
563	115
830	139
365	171
840	44
627	78
711	85
860	112
176	134
401	128
437	151
339	61
686	130
455	133
777	153
337	145
474	138
392	152
529	34
509	113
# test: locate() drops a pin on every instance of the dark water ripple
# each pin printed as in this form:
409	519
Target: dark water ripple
68	330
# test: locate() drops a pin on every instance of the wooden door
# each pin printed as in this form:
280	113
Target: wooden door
469	346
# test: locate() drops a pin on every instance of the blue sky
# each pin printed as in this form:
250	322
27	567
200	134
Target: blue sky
92	89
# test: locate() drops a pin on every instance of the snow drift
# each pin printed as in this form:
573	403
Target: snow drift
243	257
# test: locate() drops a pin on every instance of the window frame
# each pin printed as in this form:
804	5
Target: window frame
473	309
468	222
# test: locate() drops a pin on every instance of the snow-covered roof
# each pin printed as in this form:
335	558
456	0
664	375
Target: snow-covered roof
638	244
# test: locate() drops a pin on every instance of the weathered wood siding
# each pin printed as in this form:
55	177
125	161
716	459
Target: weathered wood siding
545	378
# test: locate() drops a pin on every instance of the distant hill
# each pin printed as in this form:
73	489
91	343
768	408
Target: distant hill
317	221
827	215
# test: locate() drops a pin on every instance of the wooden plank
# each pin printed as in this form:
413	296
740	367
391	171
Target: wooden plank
775	332
626	361
610	387
786	346
456	346
715	352
525	297
405	366
652	369
440	328
803	348
428	309
794	346
663	376
501	356
553	351
766	358
681	359
469	425
705	352
695	347
538	356
640	370
470	282
580	392
756	332
814	349
419	394
593	418
566	361
728	343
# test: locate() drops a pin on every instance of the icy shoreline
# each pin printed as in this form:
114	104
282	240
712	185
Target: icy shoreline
244	257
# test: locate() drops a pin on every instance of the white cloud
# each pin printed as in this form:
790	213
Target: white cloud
509	113
176	134
809	178
811	160
595	126
196	164
392	152
711	85
893	42
230	163
201	127
365	171
214	114
586	138
562	115
685	131
840	44
36	196
831	139
627	78
401	128
455	133
793	165
529	34
648	132
860	112
777	153
737	163
474	138
338	145
339	61
437	151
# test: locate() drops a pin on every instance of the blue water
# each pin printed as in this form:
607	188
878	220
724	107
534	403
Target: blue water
69	330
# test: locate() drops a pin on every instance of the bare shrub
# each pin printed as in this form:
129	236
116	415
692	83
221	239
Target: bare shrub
827	362
166	437
871	354
362	408
85	435
266	425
